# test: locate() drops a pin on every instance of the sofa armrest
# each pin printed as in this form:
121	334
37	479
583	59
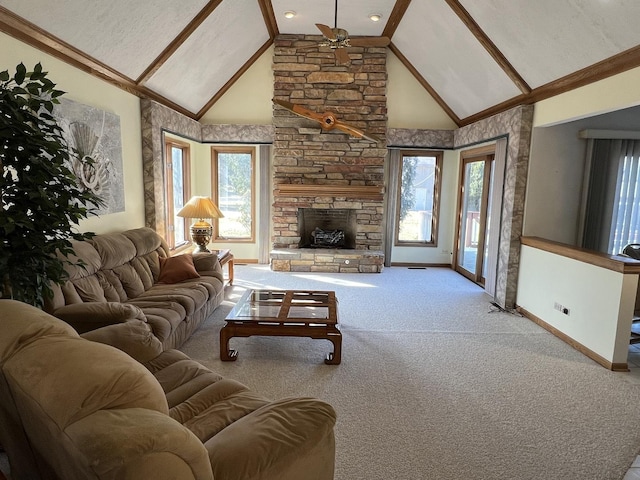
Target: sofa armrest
136	443
207	264
91	315
133	337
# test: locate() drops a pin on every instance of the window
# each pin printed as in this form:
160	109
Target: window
233	170
612	213
178	191
418	198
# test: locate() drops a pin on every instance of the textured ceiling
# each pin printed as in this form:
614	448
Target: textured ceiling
475	57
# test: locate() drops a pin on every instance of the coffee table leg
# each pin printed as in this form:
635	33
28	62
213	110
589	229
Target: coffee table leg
335	357
226	354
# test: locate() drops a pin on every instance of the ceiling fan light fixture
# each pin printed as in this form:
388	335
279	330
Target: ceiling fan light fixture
375	17
289	14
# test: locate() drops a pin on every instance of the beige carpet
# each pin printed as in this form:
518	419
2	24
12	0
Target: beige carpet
435	385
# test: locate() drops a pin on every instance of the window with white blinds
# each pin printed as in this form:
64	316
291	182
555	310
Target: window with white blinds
625	221
612	212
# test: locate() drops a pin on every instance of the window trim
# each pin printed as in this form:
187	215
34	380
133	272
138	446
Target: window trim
215	151
437	187
171	143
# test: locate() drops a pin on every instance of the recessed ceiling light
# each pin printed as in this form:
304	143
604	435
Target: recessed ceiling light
289	14
375	17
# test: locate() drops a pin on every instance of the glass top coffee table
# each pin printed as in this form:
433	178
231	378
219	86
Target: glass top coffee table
289	313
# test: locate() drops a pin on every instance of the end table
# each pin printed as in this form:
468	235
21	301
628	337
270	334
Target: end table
225	257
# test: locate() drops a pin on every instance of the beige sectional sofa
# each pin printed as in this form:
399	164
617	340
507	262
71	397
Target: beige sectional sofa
75	408
121	279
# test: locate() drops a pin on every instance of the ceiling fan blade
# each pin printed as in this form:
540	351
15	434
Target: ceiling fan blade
369	41
327	120
356	132
342	56
326	31
299	110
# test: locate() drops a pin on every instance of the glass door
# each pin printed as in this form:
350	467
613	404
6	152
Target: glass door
474	222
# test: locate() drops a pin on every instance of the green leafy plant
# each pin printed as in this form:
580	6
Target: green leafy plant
41	201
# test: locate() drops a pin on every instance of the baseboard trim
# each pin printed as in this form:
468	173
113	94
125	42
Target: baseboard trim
420	265
615	367
241	261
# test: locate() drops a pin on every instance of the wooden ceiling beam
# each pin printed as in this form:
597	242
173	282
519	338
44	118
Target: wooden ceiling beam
269	18
395	17
489	46
608	67
178	41
425	84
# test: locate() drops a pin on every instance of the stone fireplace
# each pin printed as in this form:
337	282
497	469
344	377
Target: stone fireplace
328	170
327	228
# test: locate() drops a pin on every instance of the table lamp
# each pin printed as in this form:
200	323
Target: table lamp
201	208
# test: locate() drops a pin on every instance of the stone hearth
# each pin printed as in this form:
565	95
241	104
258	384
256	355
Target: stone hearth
320	169
327	260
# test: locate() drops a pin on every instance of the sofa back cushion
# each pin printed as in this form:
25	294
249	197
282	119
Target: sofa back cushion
116	267
50	378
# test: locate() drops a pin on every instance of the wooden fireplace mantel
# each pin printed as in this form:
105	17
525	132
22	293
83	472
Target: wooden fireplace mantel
365	192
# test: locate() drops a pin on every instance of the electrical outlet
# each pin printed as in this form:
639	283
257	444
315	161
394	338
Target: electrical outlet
561	308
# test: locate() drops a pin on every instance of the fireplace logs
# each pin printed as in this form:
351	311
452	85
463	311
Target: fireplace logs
327	238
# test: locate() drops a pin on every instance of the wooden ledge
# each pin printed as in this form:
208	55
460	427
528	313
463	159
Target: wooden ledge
365	192
617	263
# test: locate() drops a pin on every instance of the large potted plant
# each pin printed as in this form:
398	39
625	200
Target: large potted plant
41	201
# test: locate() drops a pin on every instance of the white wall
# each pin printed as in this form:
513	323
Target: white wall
608	95
84	88
600	301
409	105
248	101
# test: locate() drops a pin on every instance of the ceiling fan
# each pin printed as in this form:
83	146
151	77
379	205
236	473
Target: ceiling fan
338	40
327	120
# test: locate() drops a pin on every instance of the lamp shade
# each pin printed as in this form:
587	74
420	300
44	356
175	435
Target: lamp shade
200	207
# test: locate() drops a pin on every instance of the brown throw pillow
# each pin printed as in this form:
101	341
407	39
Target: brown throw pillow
176	269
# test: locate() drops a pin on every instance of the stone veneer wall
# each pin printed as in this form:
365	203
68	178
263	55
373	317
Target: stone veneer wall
516	125
156	119
306	155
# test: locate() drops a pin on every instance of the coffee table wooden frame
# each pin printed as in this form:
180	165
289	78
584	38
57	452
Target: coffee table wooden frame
283	324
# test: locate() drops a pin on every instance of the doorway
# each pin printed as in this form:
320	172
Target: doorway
474	213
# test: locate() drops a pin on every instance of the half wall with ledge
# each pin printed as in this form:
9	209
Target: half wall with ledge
585	298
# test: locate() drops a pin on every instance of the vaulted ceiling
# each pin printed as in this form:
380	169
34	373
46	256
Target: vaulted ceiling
475	57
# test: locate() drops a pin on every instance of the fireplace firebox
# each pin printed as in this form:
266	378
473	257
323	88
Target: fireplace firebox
327	228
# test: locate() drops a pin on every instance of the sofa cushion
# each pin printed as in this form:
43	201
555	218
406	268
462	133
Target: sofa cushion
163	316
146	241
290	429
115	249
176	269
90	315
89	289
87	255
191	295
133	337
200	399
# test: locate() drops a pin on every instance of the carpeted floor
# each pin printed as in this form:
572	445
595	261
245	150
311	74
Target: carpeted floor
436	385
